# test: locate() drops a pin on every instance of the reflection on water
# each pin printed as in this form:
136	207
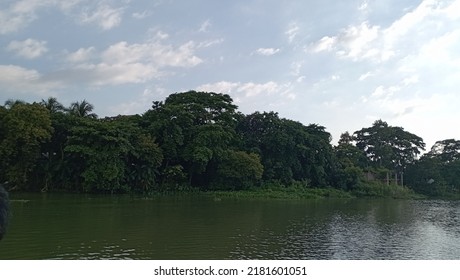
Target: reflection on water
199	227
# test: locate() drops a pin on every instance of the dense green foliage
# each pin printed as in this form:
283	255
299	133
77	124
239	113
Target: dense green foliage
199	141
437	173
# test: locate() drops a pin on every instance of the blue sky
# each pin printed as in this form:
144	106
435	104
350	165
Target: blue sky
341	64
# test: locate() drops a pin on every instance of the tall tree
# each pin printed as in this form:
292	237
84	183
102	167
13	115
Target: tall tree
346	138
95	154
52	105
388	146
82	109
352	162
193	130
446	150
289	150
447	154
24	128
425	176
238	170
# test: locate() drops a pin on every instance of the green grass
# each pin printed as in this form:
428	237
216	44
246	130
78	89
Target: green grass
280	192
301	191
376	189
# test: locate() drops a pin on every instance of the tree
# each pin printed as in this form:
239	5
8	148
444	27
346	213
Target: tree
352	162
346	139
10	103
447	154
387	146
52	105
238	170
205	107
425	176
289	150
82	109
263	133
193	129
95	153
54	167
446	150
143	159
24	128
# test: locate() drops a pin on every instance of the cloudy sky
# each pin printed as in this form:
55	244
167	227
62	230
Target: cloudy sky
340	64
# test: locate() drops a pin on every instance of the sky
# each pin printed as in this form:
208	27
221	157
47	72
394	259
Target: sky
339	64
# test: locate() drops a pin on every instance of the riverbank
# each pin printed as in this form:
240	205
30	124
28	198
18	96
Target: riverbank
285	193
296	191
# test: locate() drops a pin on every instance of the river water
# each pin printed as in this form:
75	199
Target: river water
65	226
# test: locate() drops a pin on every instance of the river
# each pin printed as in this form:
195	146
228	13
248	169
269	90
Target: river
66	226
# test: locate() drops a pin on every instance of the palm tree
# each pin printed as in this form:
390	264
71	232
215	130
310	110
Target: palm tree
82	109
52	105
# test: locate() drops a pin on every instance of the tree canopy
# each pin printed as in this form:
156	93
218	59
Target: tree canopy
199	140
388	146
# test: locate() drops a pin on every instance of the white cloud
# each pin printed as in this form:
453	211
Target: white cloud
29	48
13	73
356	39
123	63
408	21
16	16
397	107
352	42
300	79
155	54
142	102
23	12
335	77
105	16
441	50
204	27
363	6
253	89
295	71
400	99
220	87
292	31
435	65
11	22
18	79
382	93
453	10
267	51
157	35
440	108
101	74
365	76
372	42
66	6
249	89
324	44
141	15
81	55
209	43
414	79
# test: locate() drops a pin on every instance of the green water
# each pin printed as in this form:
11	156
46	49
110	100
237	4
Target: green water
63	226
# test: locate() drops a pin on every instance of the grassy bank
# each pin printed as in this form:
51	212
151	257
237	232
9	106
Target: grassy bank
376	189
285	193
297	191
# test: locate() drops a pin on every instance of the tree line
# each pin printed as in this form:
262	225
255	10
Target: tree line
199	140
